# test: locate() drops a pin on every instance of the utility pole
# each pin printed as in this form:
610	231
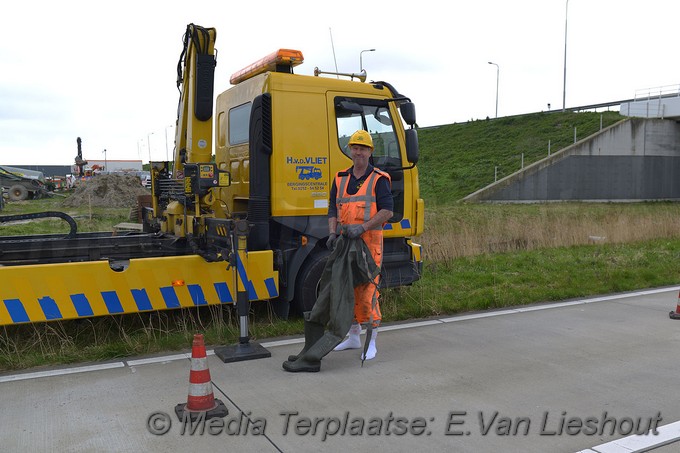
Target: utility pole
498	72
148	144
564	86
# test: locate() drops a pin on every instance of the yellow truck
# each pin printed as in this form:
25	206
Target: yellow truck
240	212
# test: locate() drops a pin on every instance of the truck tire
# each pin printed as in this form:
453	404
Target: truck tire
18	193
307	281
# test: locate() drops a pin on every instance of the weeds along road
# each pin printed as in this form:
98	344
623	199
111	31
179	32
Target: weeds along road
565	377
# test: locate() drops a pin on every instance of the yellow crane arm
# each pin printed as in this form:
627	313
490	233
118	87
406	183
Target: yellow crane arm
195	81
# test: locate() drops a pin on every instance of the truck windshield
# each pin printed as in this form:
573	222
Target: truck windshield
374	117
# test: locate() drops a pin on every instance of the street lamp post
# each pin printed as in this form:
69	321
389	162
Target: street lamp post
148	144
166	143
105	163
498	72
564	86
361	64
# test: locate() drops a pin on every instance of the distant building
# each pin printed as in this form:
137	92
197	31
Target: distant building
110	166
126	166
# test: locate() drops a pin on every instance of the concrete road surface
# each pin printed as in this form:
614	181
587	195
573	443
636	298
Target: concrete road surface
585	375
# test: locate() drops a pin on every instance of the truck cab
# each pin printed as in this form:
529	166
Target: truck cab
283	137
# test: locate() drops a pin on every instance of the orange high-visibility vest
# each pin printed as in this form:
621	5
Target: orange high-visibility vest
358	209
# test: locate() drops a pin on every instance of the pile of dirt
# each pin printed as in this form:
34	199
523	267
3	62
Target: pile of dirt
115	191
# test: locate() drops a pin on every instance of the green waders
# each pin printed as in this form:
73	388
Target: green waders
349	265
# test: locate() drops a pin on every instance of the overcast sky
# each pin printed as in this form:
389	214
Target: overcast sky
106	71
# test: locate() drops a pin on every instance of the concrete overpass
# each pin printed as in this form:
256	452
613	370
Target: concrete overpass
662	102
633	160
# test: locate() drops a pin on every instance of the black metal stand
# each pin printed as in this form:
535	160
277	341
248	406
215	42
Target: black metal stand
240	352
244	350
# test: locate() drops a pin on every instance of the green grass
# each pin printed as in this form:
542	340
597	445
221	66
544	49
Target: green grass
88	219
106	338
508	279
459	159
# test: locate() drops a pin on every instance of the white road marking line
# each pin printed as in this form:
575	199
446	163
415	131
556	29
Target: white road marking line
668	434
60	372
163	359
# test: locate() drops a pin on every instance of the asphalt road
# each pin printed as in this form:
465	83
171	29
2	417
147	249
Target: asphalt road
578	376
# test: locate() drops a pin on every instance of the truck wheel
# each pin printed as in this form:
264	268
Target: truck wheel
307	282
18	193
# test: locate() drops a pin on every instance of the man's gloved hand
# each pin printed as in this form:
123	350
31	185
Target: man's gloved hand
330	243
354	231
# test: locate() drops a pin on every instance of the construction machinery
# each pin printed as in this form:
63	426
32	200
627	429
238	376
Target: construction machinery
238	215
21	184
79	161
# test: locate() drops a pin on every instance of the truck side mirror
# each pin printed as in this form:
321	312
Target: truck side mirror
408	112
412	151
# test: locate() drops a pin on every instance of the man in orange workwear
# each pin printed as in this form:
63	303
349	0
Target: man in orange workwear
360	204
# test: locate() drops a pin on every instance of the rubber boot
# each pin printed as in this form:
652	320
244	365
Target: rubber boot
313	332
372	350
353	341
310	360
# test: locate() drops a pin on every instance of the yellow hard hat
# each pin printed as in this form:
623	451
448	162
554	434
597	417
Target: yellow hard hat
361	137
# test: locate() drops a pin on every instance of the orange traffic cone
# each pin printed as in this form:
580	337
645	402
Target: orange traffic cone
676	314
201	398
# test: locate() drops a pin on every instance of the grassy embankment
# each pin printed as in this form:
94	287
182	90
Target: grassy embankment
477	256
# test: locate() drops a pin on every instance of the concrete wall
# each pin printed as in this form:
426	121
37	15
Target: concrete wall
636	159
48	170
